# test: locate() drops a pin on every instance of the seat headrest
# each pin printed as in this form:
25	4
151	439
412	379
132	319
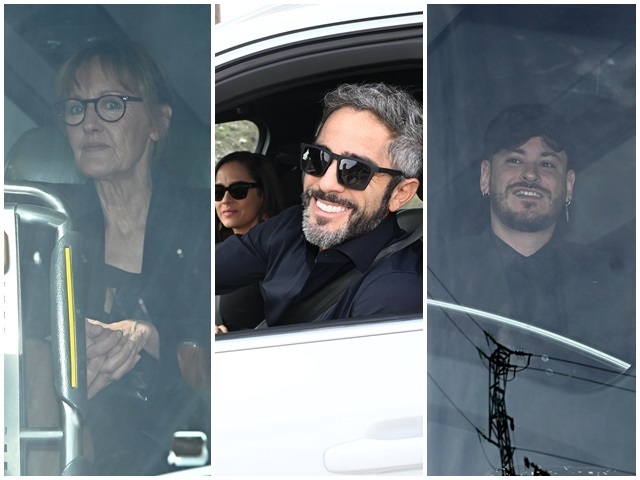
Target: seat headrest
42	154
410	219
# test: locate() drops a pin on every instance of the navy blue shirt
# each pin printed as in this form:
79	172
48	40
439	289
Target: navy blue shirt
276	253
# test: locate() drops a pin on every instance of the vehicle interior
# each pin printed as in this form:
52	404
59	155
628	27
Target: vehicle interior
39	38
280	90
39	171
578	59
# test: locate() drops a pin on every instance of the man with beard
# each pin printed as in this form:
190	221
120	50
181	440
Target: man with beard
363	166
518	266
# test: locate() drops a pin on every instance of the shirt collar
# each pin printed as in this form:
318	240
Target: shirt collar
362	250
508	253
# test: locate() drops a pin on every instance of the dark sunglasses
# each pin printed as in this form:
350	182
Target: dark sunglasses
238	190
352	172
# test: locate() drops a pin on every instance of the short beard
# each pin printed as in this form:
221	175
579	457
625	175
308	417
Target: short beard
357	224
527	221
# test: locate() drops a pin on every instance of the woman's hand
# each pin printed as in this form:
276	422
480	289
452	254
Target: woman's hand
113	349
220	329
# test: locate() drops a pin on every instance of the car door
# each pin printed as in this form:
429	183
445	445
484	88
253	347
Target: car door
318	400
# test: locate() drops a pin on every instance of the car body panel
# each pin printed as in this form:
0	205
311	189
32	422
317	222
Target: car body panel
321	401
274	26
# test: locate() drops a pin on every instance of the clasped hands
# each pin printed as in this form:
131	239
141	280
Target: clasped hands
113	349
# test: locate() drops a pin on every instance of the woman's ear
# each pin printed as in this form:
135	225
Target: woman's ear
403	193
162	123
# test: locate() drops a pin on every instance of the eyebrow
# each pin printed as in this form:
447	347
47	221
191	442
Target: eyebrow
110	92
545	154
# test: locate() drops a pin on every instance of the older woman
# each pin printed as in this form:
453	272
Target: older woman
147	284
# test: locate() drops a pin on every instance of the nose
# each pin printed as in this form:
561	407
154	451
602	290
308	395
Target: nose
227	197
91	121
530	173
329	181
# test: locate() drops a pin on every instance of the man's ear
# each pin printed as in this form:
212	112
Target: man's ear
403	193
162	123
485	175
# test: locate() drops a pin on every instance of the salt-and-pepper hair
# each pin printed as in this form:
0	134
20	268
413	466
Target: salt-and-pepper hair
396	109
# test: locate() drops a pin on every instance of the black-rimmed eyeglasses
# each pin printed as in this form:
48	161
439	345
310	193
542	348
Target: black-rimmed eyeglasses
237	190
109	108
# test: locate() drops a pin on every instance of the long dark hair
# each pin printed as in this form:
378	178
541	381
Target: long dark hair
259	168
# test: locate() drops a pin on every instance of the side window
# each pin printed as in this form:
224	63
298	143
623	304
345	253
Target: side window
235	136
531	149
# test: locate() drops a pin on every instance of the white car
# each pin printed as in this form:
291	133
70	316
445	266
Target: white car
341	397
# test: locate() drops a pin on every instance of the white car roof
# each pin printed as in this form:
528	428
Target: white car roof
276	25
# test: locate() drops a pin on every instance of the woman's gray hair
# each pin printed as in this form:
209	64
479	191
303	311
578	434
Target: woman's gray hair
396	109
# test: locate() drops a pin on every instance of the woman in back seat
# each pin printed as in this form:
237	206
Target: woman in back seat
246	193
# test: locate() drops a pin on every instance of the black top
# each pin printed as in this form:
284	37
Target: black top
291	269
173	292
534	284
567	288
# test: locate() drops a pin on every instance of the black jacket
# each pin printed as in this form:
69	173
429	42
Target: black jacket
173	292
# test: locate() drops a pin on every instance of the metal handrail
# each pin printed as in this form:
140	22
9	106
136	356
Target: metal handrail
67	334
42	193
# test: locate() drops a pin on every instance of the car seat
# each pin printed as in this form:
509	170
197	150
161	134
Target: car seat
287	168
42	154
409	219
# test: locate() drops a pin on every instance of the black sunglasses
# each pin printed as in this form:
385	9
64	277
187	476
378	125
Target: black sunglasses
352	172
237	190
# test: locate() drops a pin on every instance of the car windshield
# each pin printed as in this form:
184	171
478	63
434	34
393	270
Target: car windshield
531	238
107	171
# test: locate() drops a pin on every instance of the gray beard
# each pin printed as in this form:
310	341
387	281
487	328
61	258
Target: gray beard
357	224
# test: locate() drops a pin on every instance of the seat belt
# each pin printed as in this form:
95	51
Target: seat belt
311	307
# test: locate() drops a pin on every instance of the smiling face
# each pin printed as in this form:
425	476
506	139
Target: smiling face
238	215
104	150
334	213
528	185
